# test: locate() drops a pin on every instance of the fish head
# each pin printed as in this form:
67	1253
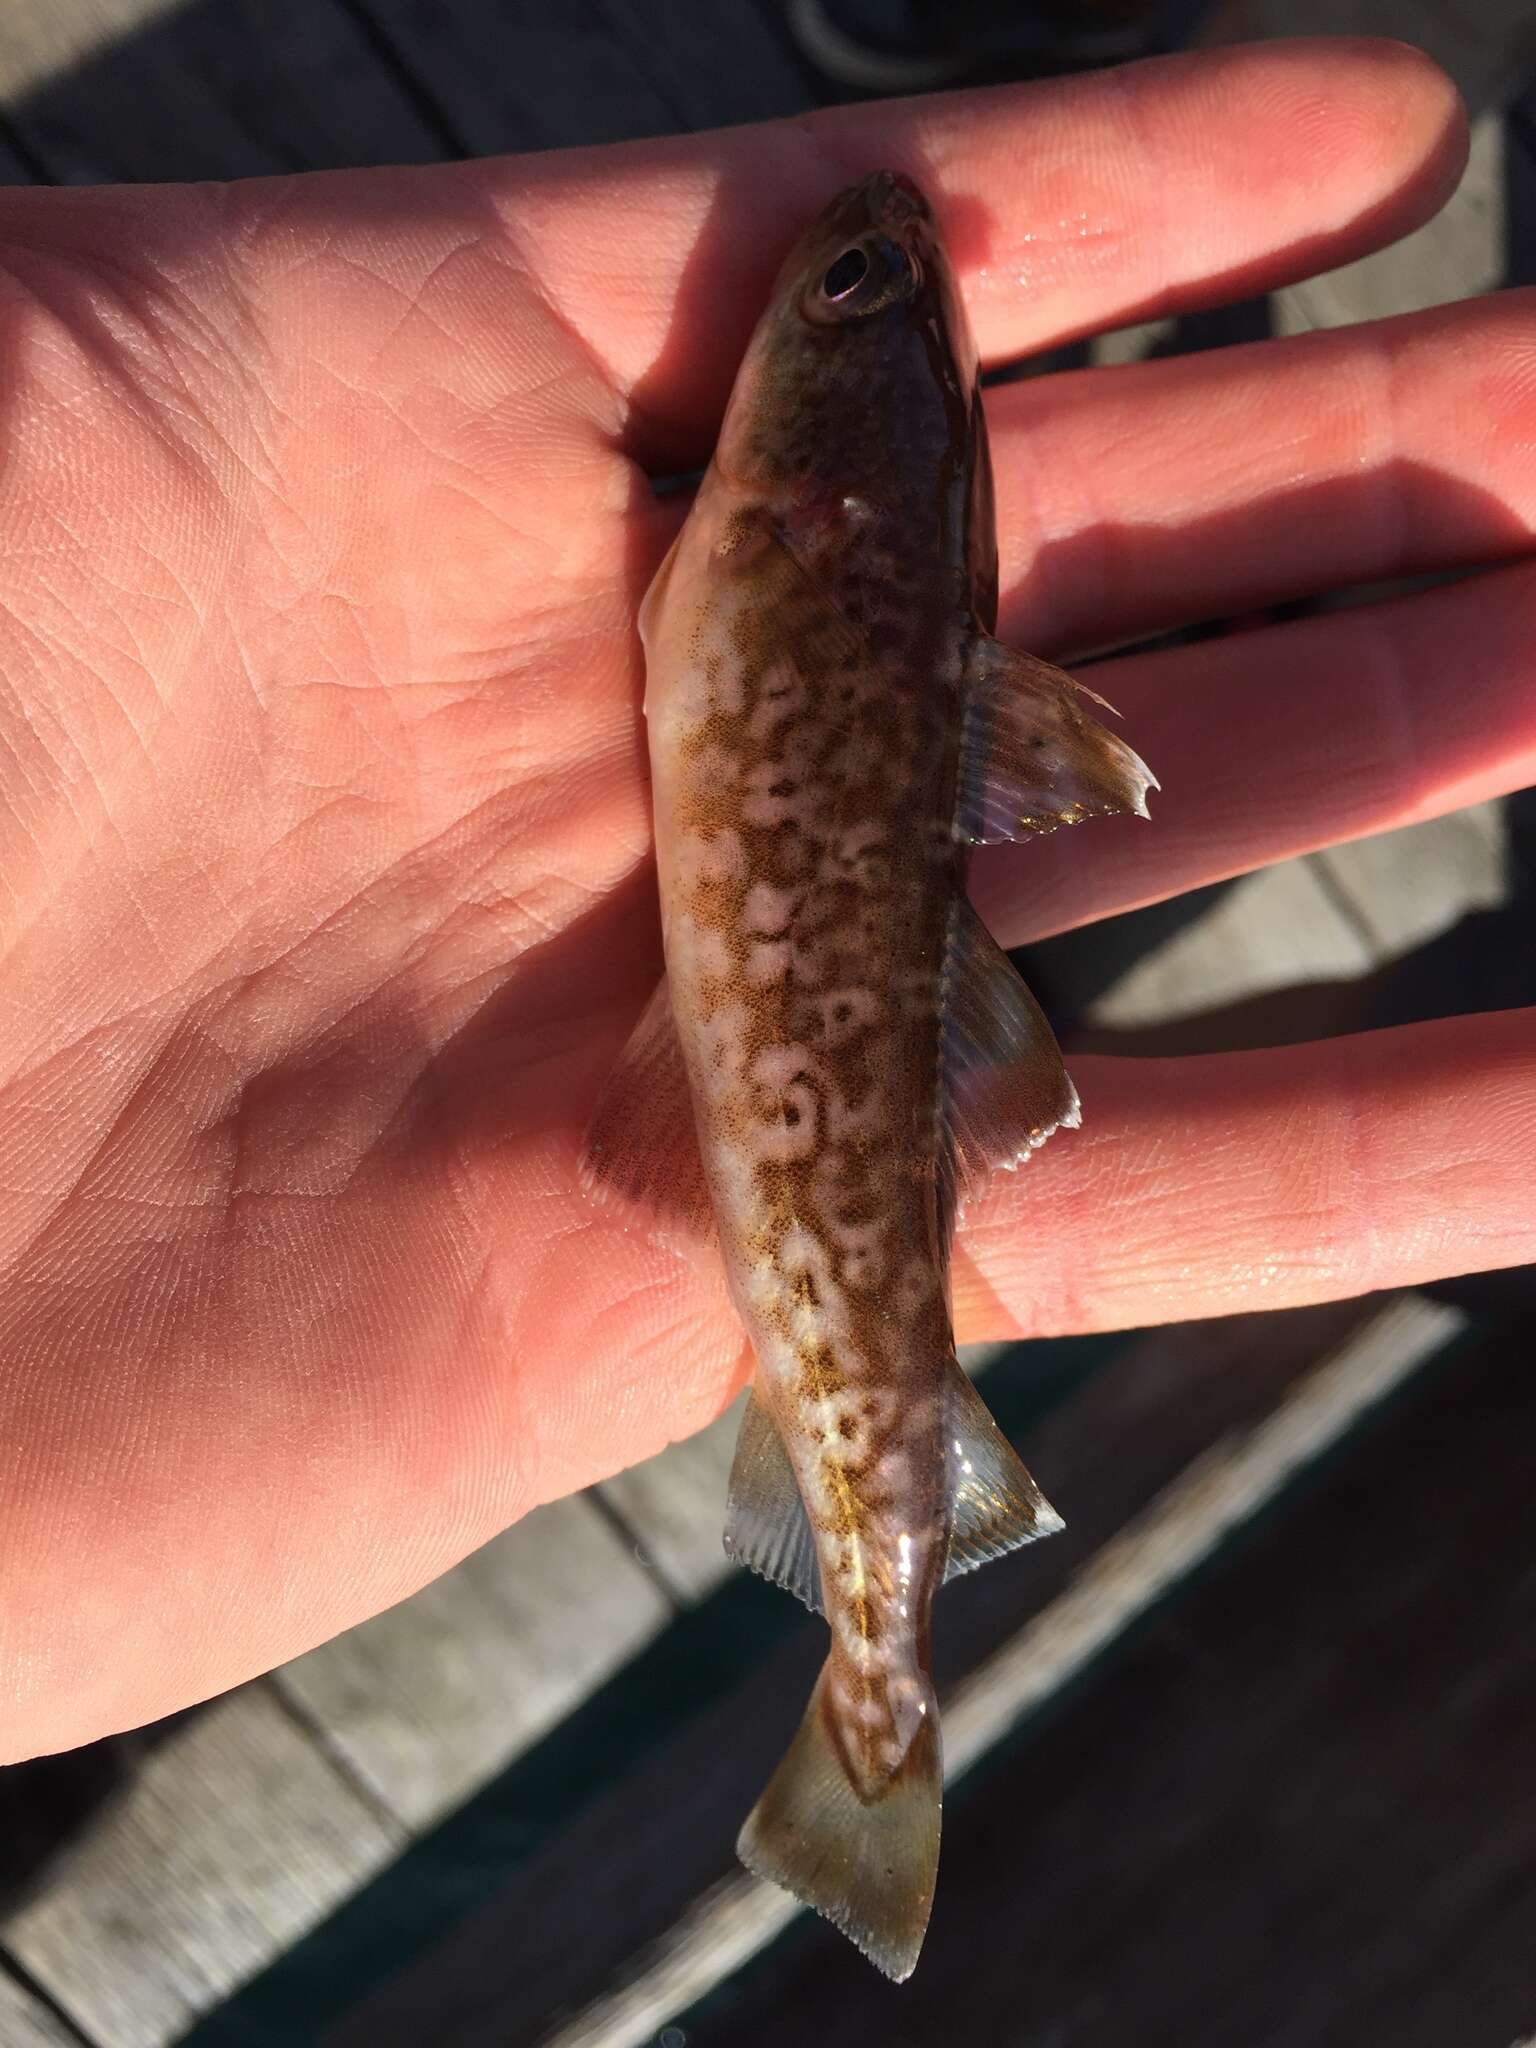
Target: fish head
861	373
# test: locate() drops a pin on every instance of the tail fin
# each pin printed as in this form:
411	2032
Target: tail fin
869	1867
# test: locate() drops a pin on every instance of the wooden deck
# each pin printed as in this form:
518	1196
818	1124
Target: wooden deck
1239	1833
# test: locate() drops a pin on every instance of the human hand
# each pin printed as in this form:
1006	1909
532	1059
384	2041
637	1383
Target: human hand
325	836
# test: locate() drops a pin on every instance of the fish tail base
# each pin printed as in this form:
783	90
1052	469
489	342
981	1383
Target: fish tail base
866	1863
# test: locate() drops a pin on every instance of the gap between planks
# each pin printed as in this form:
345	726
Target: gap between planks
1185	1526
28	2017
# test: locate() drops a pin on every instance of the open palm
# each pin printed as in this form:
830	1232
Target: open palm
323	817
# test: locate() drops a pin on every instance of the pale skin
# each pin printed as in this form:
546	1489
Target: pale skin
323	818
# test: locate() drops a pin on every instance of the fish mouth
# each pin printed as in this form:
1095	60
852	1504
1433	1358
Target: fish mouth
887	202
895	201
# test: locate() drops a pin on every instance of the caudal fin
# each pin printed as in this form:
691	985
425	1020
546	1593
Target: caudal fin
869	1867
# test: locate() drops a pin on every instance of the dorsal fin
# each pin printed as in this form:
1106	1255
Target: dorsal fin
1032	756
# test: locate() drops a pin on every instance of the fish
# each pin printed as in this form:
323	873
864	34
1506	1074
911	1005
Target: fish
839	1053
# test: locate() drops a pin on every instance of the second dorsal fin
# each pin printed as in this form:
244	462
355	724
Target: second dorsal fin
1005	1087
995	1504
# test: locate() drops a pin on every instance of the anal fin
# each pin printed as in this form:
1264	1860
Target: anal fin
641	1151
995	1505
766	1526
1034	758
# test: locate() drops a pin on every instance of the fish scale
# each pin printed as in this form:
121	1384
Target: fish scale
840	1052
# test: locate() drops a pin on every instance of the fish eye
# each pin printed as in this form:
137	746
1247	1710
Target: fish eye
870	275
850	269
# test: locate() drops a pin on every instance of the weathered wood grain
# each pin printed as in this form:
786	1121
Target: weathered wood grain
235	1837
529	76
103	90
38	42
1269	930
674	1506
425	1701
1407	887
25	2022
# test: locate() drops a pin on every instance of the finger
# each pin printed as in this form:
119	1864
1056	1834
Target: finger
1204	1186
1069	206
1274	742
1149	495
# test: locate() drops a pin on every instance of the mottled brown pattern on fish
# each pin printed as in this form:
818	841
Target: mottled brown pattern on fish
811	630
835	785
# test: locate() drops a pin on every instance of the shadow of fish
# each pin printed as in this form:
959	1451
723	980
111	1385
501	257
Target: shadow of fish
839	1052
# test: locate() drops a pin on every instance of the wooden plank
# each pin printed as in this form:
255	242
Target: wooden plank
1407	887
1132	344
234	1838
1188	1523
1269	930
713	67
25	2022
674	1504
232	88
1155	970
591	70
621	1869
426	1701
38	41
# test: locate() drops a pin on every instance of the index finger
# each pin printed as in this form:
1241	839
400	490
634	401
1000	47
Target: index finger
1070	206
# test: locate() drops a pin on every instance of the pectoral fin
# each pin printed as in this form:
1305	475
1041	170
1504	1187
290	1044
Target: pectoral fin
641	1153
1032	755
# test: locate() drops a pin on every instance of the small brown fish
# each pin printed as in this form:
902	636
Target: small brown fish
831	729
